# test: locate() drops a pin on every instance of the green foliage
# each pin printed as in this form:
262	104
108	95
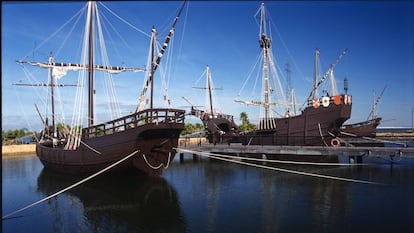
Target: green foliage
246	125
61	126
77	129
191	128
15	134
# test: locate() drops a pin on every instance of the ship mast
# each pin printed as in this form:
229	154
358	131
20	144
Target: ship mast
91	7
288	82
52	96
153	67
332	66
209	87
210	90
266	120
265	43
59	69
315	74
375	102
155	63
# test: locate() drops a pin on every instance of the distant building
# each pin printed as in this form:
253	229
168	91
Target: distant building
25	140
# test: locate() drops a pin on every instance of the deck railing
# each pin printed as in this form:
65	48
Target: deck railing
148	116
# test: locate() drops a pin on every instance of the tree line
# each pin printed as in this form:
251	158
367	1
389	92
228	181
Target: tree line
245	126
13	134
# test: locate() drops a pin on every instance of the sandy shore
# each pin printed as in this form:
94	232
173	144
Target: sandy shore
396	135
11	150
191	141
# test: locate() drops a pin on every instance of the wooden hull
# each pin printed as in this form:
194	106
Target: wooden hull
314	126
362	129
155	143
220	129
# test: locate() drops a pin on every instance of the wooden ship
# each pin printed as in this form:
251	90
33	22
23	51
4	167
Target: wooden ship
147	136
219	127
365	128
317	124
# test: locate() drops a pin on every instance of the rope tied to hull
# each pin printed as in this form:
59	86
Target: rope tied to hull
160	165
7	216
320	133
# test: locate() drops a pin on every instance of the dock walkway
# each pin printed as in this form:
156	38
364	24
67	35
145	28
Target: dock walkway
238	149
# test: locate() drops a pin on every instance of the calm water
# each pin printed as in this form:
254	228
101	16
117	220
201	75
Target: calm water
208	196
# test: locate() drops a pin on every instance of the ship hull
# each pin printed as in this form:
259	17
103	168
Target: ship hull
362	129
314	126
153	144
220	129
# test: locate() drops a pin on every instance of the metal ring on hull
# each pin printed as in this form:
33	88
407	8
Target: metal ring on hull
335	142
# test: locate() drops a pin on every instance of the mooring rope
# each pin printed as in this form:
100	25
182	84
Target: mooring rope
160	165
169	160
150	165
279	169
375	139
320	133
340	139
70	187
286	161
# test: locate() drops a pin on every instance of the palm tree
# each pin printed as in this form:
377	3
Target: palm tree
246	125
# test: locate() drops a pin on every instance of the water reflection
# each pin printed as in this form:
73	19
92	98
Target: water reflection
212	196
237	198
115	203
21	166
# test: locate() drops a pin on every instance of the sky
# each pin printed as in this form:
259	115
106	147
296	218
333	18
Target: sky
224	35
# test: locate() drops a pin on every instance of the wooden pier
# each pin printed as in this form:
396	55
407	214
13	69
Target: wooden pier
353	153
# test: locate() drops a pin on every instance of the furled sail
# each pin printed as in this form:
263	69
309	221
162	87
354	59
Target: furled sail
60	69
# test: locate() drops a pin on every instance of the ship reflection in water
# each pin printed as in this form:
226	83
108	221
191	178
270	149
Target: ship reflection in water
114	203
212	196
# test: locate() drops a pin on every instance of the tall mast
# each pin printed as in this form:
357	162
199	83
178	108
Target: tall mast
315	73
155	64
346	85
375	102
316	85
210	90
374	107
265	44
153	67
288	81
52	84
91	7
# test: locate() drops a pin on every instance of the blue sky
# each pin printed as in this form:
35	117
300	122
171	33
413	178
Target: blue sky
224	35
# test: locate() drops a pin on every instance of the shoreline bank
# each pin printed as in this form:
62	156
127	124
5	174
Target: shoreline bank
15	150
23	149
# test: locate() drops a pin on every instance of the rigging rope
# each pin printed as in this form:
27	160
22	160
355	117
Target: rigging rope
109	90
57	31
320	133
280	169
123	20
376	139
